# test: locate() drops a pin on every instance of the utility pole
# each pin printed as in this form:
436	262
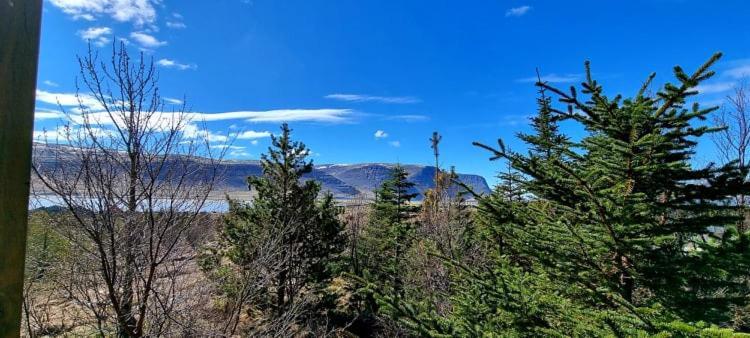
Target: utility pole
19	52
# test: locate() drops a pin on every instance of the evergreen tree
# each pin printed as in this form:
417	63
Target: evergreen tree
546	142
623	217
618	234
286	218
390	233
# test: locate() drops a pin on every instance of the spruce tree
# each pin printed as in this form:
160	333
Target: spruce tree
618	234
287	224
623	217
390	233
546	141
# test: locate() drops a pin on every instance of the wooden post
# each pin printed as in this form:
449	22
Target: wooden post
20	22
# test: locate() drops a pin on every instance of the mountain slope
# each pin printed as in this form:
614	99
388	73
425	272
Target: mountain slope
344	181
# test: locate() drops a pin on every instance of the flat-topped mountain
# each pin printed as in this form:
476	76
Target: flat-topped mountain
344	181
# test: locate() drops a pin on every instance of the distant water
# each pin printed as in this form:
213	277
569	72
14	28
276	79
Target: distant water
45	201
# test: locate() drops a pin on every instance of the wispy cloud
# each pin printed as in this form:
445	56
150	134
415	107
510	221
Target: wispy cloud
280	115
380	134
175	22
176	25
228	146
44	114
395	144
173	101
514	120
168	63
251	134
51	135
284	115
239	153
517	11
64	133
67	99
233	150
146	40
138	12
373	98
99	36
408	118
192	131
738	69
327	115
553	78
728	79
50	83
718	87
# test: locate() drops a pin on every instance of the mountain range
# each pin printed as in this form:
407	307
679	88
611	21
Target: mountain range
344	181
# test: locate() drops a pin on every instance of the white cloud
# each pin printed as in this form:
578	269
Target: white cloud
283	115
718	87
372	98
239	153
43	114
279	115
251	134
227	146
167	63
408	118
64	133
191	131
49	135
380	134
514	120
50	83
146	40
176	25
553	78
94	32
173	100
394	144
67	99
164	120
328	115
517	11
738	72
99	36
139	12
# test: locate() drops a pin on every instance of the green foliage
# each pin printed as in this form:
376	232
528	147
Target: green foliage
616	234
286	232
622	216
390	233
508	301
45	248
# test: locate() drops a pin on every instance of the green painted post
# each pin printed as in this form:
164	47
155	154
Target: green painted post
20	22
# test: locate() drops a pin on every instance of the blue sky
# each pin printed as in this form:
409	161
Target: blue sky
370	80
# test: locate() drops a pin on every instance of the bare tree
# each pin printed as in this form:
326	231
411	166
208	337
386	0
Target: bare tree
733	143
356	215
133	178
444	219
441	216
